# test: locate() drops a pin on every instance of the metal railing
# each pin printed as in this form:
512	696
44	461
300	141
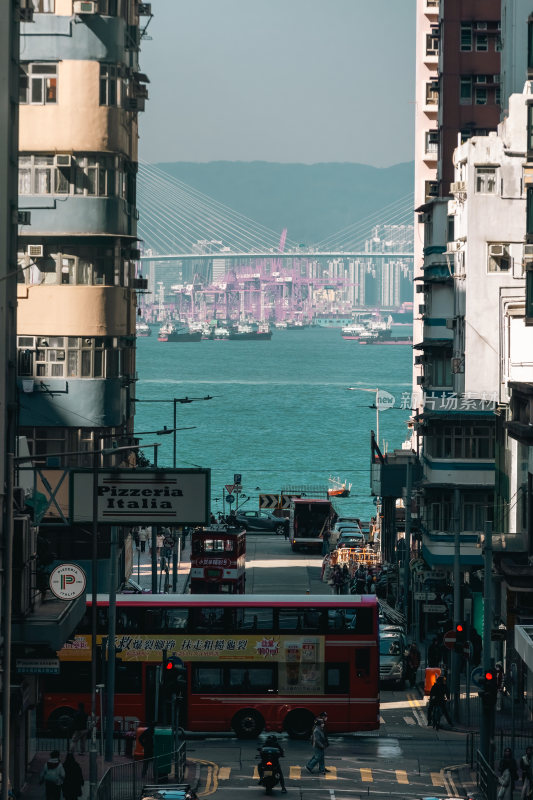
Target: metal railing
516	740
126	781
487	780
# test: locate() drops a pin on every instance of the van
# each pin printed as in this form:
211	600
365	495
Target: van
392	666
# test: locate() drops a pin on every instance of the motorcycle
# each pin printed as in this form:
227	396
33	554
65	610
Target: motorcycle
268	768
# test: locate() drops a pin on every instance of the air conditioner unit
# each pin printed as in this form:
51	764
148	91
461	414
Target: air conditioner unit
481	26
528	250
419	288
422	309
423	218
419	360
420	380
458	187
458	365
450	323
141	91
63	160
85	7
495	78
144	9
433	188
35	250
498	251
134	254
25	15
134	103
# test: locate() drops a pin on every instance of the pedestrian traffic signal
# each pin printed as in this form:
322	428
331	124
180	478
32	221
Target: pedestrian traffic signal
488	688
460	637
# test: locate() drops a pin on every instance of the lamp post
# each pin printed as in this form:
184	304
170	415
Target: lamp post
175	401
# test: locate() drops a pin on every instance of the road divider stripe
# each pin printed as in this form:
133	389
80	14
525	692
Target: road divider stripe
366	775
401	776
436	779
224	773
332	774
295	773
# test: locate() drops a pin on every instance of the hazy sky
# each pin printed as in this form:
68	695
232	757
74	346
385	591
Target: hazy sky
280	80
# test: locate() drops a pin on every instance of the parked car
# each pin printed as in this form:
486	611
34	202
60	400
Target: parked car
343	525
263	521
392	647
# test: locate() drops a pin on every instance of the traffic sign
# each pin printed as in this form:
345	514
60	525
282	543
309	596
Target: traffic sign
439	608
425	596
237	478
230	499
230	487
269	501
476	676
450	639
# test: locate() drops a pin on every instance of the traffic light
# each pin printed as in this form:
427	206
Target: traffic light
488	688
460	637
174	677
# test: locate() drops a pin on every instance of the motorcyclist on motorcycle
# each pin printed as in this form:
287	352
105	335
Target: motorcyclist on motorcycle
275	753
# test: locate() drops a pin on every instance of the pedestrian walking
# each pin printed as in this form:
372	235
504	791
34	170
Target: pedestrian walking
337	580
324	717
318	740
500	685
437	699
508	762
79	730
346	577
413	662
52	775
73	781
505	792
143	538
526	767
146	740
325	540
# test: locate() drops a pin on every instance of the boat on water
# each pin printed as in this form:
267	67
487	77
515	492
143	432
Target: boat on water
339	488
219	333
245	331
178	332
142	329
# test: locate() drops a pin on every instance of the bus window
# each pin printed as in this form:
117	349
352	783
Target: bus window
362	662
358	620
152	620
128	677
175	619
213	545
337	679
208	620
85	625
253	678
312	620
254	620
290	619
129	620
207	678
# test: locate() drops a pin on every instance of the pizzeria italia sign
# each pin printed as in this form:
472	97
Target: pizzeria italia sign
134	496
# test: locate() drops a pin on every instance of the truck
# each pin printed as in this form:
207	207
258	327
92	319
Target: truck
309	520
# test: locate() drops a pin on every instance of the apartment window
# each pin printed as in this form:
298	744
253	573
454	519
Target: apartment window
486	180
497	96
498	47
480	95
432	94
108	8
43	6
462	441
72	356
86	265
465	90
439	513
432	141
477	508
432	44
108	85
482	42
499	258
466	36
87	175
441	370
38	84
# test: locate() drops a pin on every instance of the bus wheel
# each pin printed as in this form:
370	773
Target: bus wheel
60	721
299	724
248	724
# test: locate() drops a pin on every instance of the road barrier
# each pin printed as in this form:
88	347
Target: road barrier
126	781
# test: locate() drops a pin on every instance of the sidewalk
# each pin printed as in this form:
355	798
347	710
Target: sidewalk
142	569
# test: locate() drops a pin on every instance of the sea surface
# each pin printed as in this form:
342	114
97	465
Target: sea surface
280	415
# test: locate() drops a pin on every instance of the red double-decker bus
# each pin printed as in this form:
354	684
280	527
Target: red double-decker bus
218	555
253	662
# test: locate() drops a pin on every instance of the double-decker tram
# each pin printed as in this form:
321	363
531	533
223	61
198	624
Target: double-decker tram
253	662
218	555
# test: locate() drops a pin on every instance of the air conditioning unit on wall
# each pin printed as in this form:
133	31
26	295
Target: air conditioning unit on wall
85	7
35	250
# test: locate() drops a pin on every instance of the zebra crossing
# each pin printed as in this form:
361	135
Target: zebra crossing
364	775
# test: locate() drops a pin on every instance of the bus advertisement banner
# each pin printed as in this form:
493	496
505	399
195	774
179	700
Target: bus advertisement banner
300	658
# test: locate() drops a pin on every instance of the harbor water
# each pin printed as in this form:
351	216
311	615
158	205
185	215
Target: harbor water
280	415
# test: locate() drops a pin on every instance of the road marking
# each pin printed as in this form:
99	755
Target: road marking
295	773
381	721
436	779
224	773
418	710
211	781
255	776
401	776
366	775
409	721
332	774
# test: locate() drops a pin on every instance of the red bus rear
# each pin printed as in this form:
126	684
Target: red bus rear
218	556
253	662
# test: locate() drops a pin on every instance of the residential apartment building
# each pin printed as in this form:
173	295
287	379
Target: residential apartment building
80	91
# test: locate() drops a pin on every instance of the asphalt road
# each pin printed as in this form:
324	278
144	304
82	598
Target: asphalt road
403	759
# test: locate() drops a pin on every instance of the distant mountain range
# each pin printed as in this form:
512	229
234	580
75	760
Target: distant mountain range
311	200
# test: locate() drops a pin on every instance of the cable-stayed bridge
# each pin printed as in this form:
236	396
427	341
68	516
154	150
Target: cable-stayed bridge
177	222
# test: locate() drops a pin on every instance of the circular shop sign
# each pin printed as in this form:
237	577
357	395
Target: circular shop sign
67	581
